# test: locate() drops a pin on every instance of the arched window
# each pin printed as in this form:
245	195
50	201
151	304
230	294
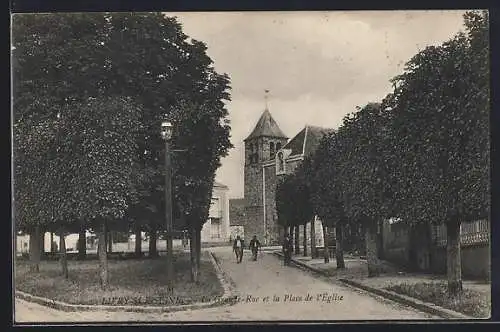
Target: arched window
281	162
253	155
271	150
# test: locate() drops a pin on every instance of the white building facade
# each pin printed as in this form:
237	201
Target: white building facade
216	228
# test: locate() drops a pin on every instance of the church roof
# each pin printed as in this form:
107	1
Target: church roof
266	126
307	140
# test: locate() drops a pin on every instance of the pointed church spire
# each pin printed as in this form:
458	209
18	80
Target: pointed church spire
266	126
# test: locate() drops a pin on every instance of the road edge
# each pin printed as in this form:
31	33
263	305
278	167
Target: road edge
426	307
228	298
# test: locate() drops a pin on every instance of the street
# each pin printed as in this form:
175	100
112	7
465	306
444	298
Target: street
268	291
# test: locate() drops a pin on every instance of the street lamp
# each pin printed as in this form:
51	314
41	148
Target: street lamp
166	134
166	130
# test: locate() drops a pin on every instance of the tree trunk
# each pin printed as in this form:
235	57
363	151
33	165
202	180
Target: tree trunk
63	259
292	238
198	248
380	239
41	242
371	249
34	248
297	239
326	251
110	241
138	242
339	245
304	240
453	259
52	246
314	252
82	244
153	251
193	252
103	256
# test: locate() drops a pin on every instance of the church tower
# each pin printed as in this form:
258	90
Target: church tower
260	149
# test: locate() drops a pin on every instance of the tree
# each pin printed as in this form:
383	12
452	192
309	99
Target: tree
283	198
364	167
178	83
326	191
98	158
293	202
52	68
81	60
441	127
30	149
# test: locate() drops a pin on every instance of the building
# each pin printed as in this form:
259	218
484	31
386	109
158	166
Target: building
260	150
237	216
423	247
302	145
269	154
216	229
23	242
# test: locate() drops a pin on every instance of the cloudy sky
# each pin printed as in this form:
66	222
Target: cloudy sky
318	65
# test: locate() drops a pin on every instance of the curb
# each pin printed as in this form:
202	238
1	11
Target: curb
304	266
426	307
228	298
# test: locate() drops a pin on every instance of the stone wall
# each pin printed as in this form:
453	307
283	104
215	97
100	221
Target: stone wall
236	212
475	261
254	222
253	185
271	214
292	165
431	257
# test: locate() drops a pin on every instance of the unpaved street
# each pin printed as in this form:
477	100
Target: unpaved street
268	291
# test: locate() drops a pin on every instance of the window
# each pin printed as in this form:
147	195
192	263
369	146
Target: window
215	209
271	150
281	162
253	156
278	147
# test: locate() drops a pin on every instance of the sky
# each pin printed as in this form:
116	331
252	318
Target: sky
318	66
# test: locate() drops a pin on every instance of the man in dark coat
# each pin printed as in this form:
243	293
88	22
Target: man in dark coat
287	250
254	246
238	249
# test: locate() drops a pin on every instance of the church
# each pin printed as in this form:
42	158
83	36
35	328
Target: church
269	153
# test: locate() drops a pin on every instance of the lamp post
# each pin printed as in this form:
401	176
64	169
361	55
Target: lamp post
166	133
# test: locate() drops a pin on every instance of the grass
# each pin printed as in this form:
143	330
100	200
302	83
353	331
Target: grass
216	244
131	282
471	302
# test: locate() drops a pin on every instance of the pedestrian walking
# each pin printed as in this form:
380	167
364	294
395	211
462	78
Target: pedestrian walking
238	249
184	239
254	247
287	250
